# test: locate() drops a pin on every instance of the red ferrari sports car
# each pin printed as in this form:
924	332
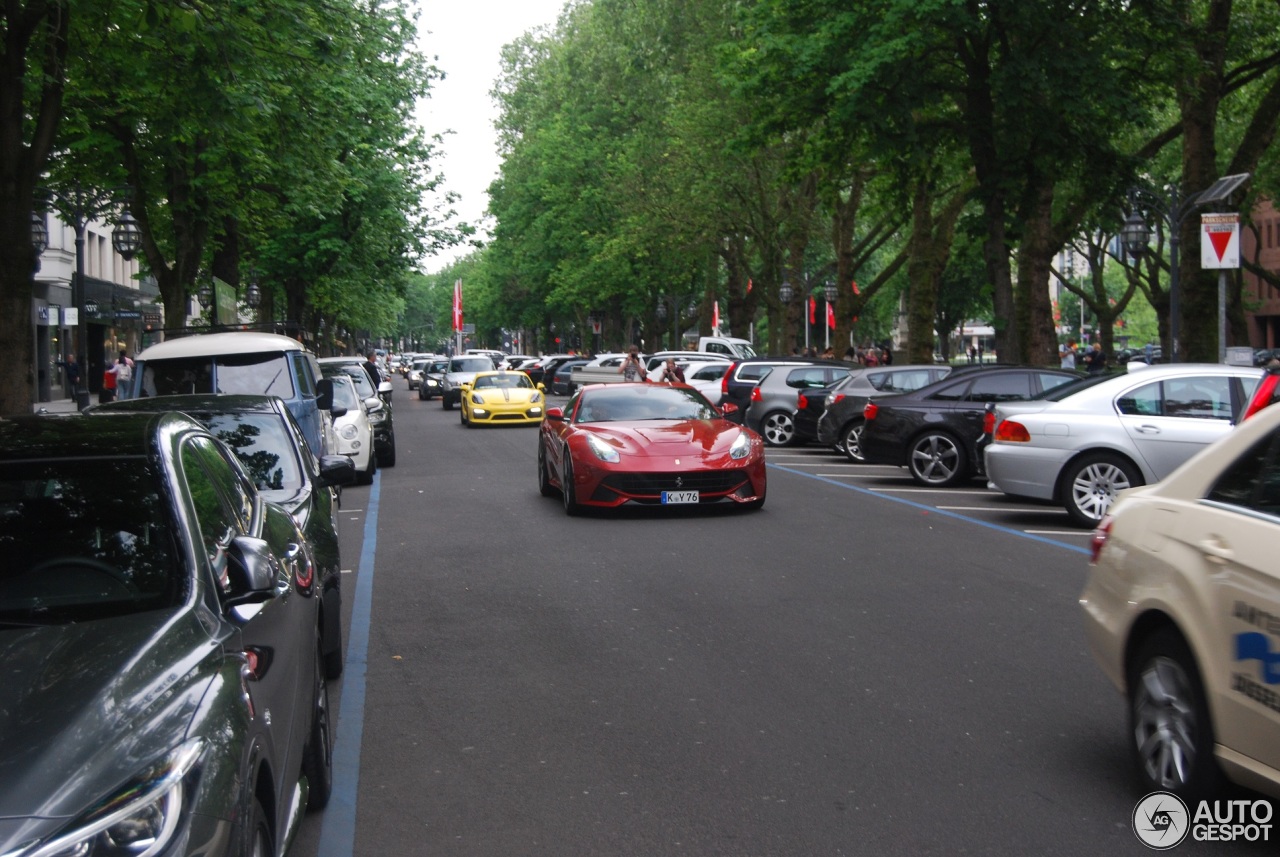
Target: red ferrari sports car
651	444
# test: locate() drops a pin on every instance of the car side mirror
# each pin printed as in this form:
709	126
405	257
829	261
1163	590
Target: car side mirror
384	390
728	408
555	414
337	470
542	386
337	411
465	386
324	394
251	571
374	405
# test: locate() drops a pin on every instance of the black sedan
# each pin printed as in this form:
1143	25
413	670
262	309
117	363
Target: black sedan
160	621
269	443
839	423
934	431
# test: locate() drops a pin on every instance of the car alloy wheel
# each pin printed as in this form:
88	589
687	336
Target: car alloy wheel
851	442
778	428
1091	484
317	758
1170	732
936	460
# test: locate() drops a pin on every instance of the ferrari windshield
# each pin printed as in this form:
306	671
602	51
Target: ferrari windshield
619	403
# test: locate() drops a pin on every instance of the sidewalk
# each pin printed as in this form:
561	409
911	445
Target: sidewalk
58	406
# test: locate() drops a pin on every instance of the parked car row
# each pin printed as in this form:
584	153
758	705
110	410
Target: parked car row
1040	433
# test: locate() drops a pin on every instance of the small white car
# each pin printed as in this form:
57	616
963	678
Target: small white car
1182	612
353	431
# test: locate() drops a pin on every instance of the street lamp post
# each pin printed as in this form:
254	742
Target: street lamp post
82	205
1136	235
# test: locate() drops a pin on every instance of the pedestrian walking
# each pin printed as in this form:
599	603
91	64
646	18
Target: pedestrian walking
123	370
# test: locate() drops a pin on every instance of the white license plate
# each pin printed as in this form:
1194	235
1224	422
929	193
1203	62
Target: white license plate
669	497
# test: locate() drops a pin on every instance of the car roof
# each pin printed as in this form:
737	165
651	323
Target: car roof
27	437
335	361
213	344
201	402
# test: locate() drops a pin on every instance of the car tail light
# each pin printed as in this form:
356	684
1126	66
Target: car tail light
755	395
989	422
838	397
802	402
1012	432
869	410
1264	395
1101	535
724	380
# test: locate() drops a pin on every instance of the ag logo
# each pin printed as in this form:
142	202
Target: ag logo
1161	821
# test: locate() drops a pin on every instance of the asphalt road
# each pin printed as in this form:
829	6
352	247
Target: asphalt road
859	668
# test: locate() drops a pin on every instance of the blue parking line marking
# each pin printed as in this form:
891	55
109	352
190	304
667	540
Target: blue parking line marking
926	507
338	831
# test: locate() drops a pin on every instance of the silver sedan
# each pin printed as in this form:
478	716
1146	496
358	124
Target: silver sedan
1080	447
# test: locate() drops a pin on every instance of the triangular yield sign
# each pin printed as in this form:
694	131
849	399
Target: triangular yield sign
1220	241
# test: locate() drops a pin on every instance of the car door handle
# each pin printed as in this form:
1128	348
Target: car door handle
1216	551
1147	429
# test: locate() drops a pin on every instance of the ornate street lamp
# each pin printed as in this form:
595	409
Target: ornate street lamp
785	292
126	238
253	295
204	294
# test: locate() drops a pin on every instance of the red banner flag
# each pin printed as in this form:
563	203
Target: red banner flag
855	288
748	285
813	311
715	315
457	305
831	317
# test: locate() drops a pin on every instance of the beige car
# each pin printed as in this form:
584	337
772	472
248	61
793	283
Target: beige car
1182	611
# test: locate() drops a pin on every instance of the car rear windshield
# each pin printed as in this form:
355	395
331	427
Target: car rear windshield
471	364
258	374
83	540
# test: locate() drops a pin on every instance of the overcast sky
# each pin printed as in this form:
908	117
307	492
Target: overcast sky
465	38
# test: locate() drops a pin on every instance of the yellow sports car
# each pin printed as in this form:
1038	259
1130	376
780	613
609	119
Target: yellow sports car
501	397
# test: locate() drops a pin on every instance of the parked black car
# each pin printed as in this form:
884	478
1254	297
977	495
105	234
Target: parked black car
164	690
381	416
933	431
267	440
840	421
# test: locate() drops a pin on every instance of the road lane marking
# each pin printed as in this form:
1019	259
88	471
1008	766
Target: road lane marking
1049	510
885	495
338	831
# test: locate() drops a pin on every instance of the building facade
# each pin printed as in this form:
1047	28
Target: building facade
120	307
1261	245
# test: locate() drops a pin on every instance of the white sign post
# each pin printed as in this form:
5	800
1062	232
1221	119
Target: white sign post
1220	251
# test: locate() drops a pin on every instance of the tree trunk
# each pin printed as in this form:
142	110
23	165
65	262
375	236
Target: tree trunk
1035	253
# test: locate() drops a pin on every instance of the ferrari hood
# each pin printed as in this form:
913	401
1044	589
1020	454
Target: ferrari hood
660	437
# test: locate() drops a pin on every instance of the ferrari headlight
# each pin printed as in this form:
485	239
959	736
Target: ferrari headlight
603	451
138	820
348	432
741	447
